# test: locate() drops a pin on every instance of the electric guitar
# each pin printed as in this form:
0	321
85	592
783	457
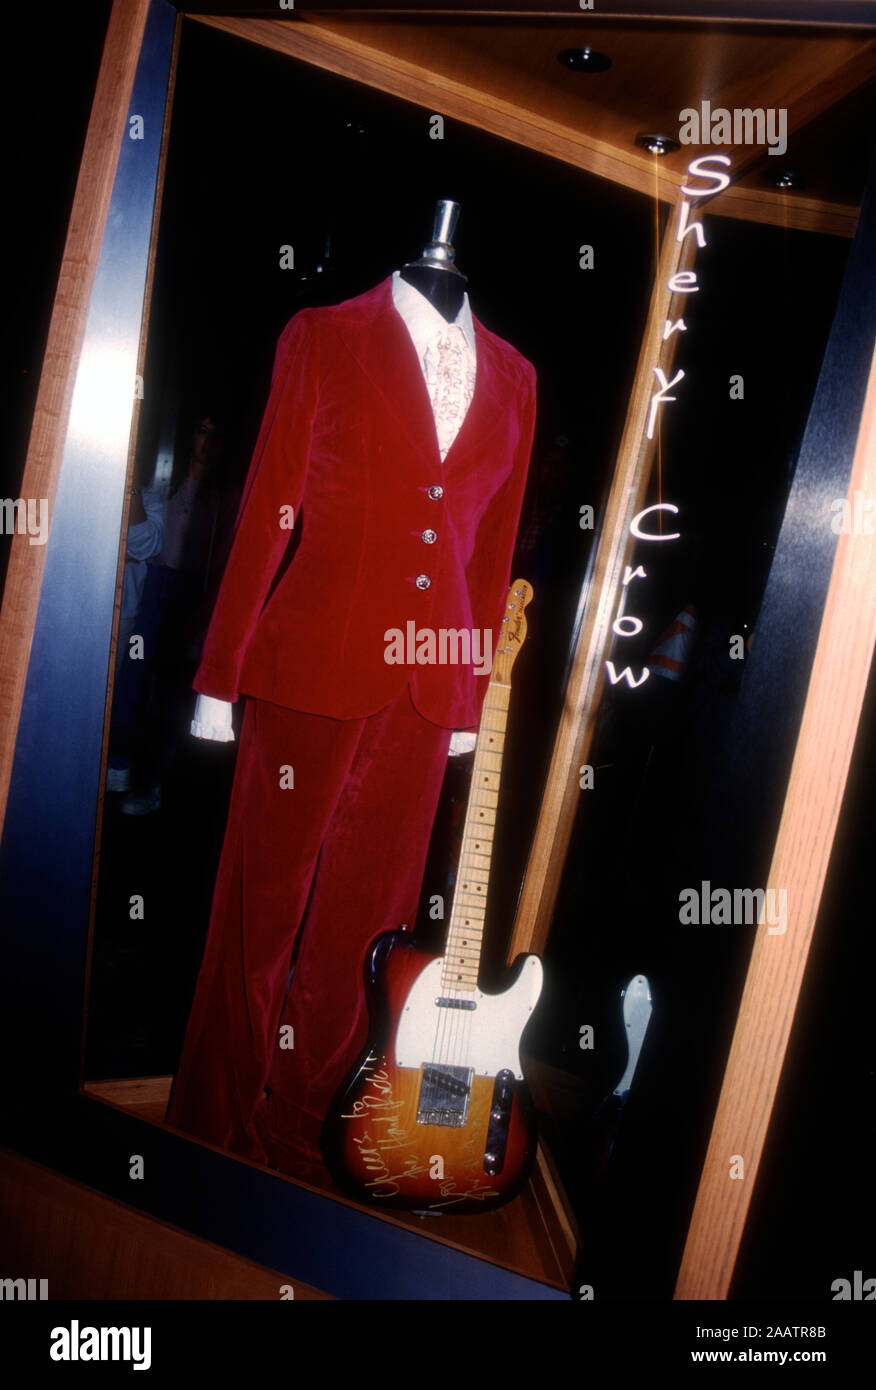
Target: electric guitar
435	1115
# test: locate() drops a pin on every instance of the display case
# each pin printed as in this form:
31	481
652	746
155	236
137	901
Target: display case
669	210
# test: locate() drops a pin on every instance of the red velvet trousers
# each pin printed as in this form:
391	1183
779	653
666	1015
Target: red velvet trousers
325	865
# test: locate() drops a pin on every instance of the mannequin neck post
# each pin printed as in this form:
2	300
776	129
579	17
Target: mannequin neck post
444	289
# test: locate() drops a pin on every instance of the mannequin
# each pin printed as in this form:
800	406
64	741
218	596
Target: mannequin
436	277
435	274
400	444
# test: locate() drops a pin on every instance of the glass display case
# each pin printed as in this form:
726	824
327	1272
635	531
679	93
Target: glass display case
673	224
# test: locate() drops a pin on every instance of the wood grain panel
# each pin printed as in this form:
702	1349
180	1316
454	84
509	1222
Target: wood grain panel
66	332
829	125
497	113
800	859
503	77
655	72
90	1247
773	13
791	210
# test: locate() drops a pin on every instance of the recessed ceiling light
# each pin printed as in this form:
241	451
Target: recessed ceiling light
787	180
584	60
658	144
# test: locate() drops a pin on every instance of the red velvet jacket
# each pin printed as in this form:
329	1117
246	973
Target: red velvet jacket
348	441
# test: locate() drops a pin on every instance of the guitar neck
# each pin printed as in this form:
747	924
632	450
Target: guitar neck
465	935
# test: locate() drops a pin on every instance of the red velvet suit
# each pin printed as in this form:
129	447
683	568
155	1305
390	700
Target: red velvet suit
348	442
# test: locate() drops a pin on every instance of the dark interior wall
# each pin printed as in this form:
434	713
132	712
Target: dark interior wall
266	152
654	823
270	152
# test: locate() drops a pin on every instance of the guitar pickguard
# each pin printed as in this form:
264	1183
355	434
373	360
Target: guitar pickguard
484	1039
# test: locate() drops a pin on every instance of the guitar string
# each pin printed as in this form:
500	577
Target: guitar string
454	1046
442	1051
446	1047
456	1031
452	1039
466	1022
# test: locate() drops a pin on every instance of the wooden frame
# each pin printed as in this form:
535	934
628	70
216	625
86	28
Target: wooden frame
66	332
834	695
818	778
330	45
708	1260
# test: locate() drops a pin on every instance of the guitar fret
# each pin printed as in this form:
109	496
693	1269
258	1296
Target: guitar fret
468	910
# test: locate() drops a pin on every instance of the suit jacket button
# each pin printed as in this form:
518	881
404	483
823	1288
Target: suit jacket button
429	537
436	492
422	581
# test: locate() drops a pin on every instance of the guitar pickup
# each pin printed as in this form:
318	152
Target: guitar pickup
446	1003
500	1120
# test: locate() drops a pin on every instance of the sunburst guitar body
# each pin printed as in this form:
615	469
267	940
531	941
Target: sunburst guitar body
435	1116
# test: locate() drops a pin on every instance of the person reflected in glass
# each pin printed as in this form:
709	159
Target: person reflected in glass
179	589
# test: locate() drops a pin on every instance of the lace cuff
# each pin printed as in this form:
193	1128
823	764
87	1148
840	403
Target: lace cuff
212	719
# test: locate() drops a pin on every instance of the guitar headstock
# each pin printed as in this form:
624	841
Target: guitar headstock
513	631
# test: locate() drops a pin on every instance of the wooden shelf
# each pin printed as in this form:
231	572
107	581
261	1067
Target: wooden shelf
529	1236
88	1246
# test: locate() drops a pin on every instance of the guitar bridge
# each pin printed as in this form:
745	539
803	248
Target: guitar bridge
444	1095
